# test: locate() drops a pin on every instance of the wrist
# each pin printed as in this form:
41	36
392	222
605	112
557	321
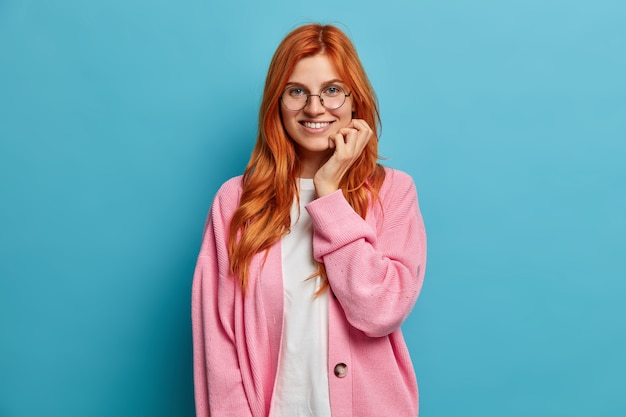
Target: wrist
323	189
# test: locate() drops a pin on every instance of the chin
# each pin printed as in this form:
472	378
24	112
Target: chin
311	148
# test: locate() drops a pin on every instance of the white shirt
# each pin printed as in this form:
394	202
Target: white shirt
301	388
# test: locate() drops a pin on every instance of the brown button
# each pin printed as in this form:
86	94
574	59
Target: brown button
341	370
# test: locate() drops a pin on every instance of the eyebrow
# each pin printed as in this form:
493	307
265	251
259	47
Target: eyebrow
325	83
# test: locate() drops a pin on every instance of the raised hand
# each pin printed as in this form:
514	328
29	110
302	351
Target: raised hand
348	144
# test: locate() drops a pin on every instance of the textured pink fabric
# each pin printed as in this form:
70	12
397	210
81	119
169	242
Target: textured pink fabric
375	269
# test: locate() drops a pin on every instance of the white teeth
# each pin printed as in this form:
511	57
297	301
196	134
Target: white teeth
315	125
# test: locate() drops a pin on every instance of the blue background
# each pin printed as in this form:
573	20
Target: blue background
120	119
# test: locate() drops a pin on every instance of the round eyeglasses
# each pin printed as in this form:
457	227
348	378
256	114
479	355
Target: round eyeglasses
296	98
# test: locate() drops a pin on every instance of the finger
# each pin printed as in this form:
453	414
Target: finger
356	124
355	137
362	127
332	141
350	139
359	124
365	133
346	131
338	140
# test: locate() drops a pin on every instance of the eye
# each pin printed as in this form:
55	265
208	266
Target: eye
332	91
296	92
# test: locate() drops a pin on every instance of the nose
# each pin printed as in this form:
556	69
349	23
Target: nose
314	106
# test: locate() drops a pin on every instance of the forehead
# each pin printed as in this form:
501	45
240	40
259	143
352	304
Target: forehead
314	71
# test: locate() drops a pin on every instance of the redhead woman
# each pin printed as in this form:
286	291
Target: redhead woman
312	260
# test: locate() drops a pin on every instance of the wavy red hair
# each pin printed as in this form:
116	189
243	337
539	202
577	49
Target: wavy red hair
269	181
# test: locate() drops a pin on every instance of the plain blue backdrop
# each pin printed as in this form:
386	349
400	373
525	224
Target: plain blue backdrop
120	119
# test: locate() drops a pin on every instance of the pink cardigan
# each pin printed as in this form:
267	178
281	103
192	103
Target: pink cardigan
375	269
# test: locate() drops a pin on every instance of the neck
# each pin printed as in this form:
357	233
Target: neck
311	162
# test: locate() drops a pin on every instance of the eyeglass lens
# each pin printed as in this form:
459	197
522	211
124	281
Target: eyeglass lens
296	98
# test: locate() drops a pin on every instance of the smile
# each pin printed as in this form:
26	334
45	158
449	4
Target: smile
318	125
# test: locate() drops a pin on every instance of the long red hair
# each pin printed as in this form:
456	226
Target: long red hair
269	181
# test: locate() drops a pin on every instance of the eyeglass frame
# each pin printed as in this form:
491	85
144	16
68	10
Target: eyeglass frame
319	96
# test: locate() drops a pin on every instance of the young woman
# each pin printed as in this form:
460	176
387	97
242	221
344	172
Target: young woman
311	260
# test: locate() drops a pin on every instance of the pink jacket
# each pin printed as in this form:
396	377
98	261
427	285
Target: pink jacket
375	269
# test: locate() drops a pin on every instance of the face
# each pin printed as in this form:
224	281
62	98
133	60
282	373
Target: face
311	127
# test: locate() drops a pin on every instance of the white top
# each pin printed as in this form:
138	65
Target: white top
301	388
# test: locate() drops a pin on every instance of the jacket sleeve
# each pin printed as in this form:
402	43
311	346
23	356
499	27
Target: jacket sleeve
375	268
218	384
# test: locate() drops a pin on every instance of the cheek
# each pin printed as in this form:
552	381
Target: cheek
345	116
350	111
288	122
